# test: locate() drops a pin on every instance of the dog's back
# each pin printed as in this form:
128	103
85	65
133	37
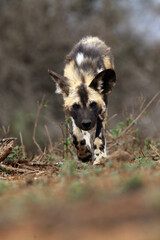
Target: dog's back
87	58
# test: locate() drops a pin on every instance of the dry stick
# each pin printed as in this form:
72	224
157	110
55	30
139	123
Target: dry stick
155	150
36	124
63	137
5	130
22	145
156	105
141	113
12	169
113	116
49	137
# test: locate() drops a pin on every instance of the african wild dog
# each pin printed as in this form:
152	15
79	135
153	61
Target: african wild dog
88	79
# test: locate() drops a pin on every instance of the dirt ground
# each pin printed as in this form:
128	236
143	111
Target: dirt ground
72	200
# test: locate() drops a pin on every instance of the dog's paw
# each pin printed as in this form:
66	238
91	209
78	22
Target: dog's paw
84	153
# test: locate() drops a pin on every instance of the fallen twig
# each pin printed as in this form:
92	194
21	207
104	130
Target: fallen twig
14	161
13	169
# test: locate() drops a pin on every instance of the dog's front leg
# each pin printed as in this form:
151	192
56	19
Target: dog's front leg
81	140
99	142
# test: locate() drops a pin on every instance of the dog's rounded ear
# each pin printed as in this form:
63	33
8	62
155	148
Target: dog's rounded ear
62	82
104	81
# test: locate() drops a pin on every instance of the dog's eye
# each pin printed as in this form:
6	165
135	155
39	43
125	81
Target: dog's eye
93	104
76	106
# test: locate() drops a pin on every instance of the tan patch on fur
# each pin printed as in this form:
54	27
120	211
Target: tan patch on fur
103	123
95	96
71	99
72	74
86	136
105	116
74	98
90	40
98	142
107	62
88	78
95	41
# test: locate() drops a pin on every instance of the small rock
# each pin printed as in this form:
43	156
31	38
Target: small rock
118	155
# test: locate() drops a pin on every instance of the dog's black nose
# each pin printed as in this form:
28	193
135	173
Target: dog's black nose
86	123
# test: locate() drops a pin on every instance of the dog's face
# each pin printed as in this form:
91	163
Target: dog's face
84	102
85	117
84	105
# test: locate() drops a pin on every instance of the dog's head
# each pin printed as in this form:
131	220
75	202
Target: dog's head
84	102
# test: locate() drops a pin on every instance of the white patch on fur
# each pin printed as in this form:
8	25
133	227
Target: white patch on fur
103	107
79	58
100	155
100	85
77	131
80	134
87	138
99	70
58	90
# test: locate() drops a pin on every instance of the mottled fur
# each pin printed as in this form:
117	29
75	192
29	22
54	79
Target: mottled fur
89	77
